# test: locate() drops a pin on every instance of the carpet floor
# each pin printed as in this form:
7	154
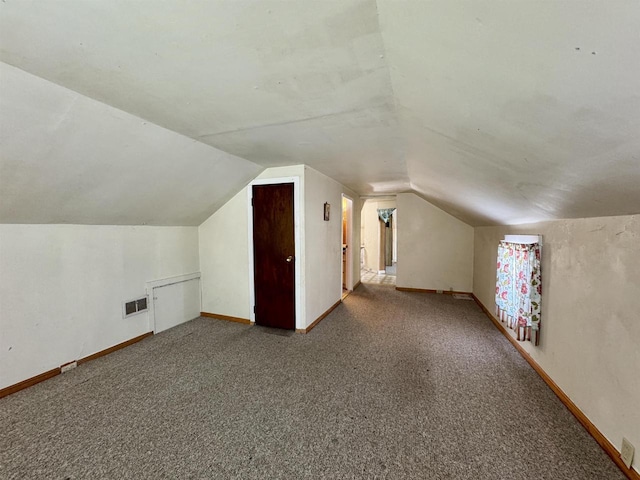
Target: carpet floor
390	385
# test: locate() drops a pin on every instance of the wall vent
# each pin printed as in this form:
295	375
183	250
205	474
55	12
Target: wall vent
133	307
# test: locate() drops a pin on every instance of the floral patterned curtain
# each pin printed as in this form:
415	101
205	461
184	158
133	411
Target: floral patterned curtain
519	289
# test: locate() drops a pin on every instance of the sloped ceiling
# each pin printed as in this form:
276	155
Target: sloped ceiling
498	112
65	158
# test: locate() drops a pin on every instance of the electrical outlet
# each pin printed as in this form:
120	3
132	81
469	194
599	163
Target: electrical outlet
68	366
438	291
627	452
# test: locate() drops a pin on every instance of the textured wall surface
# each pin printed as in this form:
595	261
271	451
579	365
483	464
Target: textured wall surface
590	338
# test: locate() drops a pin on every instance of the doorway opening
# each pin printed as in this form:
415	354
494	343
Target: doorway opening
379	234
347	245
388	230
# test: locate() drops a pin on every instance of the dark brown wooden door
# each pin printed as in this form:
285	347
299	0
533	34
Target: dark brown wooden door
273	255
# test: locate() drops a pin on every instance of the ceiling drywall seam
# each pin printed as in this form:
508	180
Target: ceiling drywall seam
402	128
290	122
536	125
403	148
403	113
64	116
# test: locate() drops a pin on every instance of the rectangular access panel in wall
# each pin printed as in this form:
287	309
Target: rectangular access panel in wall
175	303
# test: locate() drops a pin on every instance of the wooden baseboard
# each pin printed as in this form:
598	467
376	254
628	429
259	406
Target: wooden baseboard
427	290
56	371
245	321
119	346
29	382
319	319
597	435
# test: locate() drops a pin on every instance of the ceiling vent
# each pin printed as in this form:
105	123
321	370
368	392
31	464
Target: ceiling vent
133	307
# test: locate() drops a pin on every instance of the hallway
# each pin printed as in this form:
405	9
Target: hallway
367	276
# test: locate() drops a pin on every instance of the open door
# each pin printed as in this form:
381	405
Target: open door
274	255
347	247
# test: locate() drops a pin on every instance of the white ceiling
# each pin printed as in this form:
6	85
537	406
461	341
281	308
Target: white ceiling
498	112
65	158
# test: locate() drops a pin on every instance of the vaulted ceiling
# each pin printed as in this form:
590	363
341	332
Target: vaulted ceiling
156	112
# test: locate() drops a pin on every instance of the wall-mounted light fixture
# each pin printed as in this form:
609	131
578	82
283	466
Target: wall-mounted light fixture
327	211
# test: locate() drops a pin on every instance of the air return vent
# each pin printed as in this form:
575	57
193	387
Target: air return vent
133	307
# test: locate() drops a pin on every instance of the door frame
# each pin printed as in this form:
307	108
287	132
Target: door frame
382	242
298	247
350	248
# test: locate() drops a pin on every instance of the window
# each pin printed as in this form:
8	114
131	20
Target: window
519	285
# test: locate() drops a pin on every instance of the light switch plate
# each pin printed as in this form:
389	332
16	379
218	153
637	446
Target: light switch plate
627	452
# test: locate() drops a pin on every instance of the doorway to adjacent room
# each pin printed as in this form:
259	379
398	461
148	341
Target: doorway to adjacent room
379	237
347	245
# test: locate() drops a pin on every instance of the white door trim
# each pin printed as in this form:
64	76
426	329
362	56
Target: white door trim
350	247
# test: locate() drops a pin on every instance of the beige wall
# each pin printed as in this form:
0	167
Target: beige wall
323	263
224	248
590	336
62	288
224	261
435	250
224	251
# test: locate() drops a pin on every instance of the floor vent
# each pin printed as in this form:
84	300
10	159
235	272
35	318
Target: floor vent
462	296
133	307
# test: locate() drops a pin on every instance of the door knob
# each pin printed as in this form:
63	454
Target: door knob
290	259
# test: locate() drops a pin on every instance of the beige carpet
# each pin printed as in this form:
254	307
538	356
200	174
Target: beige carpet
390	385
